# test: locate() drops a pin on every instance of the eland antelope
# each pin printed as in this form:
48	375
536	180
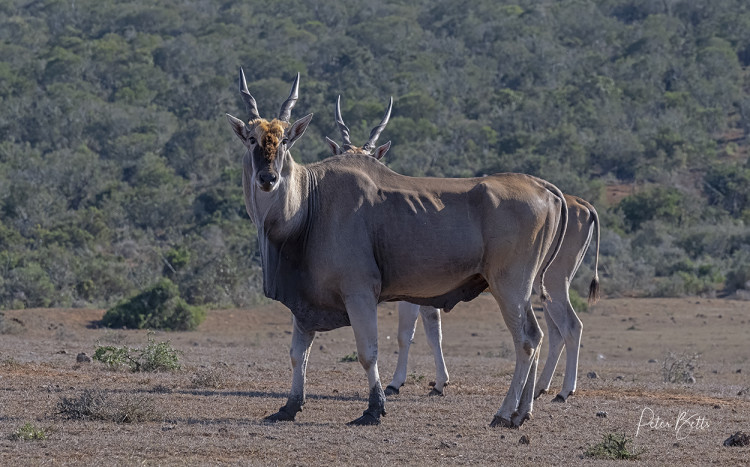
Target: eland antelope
339	236
563	325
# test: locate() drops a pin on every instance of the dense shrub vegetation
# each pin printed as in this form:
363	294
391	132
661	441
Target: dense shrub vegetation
117	167
158	307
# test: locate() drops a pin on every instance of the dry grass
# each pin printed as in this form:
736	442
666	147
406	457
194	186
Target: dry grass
212	412
111	407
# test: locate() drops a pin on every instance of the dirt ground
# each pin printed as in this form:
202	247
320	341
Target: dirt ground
217	420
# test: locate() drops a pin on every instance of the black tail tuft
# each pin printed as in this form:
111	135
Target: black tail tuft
594	290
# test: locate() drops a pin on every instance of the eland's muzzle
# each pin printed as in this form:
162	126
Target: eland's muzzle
267	181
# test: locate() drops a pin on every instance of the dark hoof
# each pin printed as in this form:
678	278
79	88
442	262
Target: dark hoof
366	419
518	421
541	391
559	398
280	416
501	422
435	392
391	391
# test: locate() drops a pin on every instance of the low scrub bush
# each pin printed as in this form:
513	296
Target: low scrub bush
158	307
155	356
94	404
29	432
212	378
352	357
577	302
612	446
680	368
10	325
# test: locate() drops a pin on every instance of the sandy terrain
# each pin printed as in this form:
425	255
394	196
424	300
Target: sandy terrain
213	421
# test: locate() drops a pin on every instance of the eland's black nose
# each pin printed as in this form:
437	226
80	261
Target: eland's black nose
267	178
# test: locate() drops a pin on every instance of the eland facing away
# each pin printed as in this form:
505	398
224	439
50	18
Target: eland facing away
339	236
563	325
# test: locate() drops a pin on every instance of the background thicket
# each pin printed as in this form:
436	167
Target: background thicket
117	167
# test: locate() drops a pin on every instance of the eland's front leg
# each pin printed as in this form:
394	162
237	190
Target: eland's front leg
363	315
299	353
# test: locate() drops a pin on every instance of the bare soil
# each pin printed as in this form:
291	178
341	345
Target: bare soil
218	421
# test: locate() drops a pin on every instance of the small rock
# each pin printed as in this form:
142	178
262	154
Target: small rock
690	379
738	439
717	406
474	334
652	360
592	375
619	377
630	349
739	370
524	440
83	358
601	414
322	348
743	391
62	352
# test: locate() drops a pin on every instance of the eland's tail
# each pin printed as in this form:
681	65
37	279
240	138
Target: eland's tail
594	286
561	226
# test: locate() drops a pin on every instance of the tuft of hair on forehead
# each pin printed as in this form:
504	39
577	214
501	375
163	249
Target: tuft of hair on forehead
269	135
355	150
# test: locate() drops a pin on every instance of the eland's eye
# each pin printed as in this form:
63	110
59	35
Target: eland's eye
285	141
252	140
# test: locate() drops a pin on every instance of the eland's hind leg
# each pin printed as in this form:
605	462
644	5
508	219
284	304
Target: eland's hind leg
434	332
554	351
527	339
571	329
526	404
407	324
363	316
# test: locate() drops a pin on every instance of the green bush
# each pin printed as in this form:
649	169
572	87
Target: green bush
612	446
665	203
156	356
158	307
29	432
577	302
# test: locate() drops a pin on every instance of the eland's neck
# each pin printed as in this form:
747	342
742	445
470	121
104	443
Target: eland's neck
281	213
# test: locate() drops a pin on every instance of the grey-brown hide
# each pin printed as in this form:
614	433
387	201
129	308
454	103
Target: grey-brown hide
343	234
563	325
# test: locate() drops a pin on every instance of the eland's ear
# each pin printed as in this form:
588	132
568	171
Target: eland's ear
335	148
239	127
381	150
297	129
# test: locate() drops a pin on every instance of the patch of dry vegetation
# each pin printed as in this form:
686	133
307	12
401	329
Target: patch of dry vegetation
96	404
